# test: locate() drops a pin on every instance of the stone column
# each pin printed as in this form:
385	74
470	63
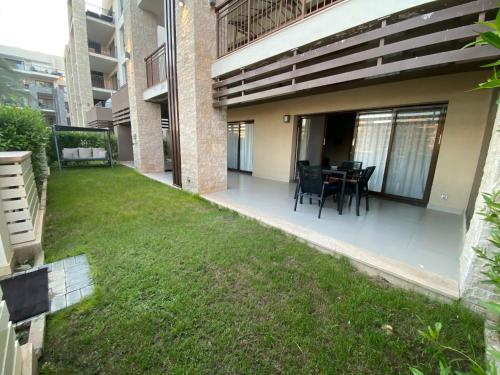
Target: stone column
145	118
80	62
471	287
203	129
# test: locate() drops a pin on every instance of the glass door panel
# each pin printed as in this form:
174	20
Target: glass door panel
373	134
411	154
246	147
232	146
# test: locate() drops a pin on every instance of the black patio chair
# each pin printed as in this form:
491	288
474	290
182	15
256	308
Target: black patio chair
299	164
360	188
313	186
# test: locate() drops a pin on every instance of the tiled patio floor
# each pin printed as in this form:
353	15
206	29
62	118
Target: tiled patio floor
420	241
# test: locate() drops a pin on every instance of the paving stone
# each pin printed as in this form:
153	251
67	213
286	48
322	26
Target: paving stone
56	266
87	291
68	262
78	280
57	303
57	288
57	275
76	286
81	259
73	297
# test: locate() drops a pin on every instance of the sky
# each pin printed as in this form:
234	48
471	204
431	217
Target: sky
37	25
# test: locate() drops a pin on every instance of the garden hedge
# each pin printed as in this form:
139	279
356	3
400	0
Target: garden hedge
25	129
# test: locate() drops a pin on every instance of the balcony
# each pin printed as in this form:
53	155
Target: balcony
46	105
244	21
414	42
156	75
99	13
100	116
35	70
44	90
101	90
101	59
120	106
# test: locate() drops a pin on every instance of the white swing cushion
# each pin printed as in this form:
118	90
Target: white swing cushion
70	153
84	153
98	153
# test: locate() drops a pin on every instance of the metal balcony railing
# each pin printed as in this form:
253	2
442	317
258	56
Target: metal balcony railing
156	64
240	22
98	12
30	67
97	81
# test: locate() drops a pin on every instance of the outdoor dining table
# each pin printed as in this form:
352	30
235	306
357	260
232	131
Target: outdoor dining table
346	177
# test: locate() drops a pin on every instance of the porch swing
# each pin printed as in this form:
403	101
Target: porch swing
82	153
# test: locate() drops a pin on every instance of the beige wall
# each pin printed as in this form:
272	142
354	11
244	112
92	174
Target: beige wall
274	142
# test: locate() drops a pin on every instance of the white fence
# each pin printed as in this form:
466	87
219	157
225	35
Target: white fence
19	195
10	351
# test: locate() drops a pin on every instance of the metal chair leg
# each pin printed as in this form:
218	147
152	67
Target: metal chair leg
296	200
358	198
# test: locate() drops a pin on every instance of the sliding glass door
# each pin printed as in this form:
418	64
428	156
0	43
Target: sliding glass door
402	144
411	154
240	146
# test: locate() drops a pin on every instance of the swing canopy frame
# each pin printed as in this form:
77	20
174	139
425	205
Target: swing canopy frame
65	128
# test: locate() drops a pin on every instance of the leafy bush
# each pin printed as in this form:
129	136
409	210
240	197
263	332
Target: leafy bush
25	129
82	139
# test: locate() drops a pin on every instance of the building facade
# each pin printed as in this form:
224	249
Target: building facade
255	86
43	82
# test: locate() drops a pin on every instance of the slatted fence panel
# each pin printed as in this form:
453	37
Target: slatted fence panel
19	196
10	352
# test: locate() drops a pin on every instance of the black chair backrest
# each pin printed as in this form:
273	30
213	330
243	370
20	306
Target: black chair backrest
365	176
351	165
311	179
301	163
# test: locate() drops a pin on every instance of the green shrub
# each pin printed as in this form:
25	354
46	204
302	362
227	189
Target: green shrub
82	139
25	129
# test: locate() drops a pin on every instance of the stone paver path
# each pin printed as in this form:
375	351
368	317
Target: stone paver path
69	282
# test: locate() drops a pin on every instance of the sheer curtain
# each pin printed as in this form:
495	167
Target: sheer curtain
305	130
232	146
373	132
246	147
411	153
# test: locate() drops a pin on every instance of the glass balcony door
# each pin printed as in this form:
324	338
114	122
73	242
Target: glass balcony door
402	144
240	146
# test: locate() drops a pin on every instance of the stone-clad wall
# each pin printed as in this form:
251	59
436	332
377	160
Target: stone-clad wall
471	288
203	129
82	98
145	118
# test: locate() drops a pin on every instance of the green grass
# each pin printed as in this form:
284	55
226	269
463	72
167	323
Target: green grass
186	287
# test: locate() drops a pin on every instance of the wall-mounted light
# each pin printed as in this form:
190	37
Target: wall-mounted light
286	119
181	3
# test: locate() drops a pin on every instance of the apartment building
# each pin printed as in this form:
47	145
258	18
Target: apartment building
239	91
43	82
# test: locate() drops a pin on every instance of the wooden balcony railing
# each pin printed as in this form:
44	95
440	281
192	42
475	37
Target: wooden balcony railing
429	37
241	22
156	64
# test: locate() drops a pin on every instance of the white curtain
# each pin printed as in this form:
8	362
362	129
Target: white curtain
305	130
232	146
411	153
373	132
246	147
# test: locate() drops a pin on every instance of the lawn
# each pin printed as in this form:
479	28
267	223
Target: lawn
183	286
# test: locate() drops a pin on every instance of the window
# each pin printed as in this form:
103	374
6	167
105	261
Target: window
122	37
43	84
114	82
124	73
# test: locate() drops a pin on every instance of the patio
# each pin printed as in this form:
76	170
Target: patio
413	244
